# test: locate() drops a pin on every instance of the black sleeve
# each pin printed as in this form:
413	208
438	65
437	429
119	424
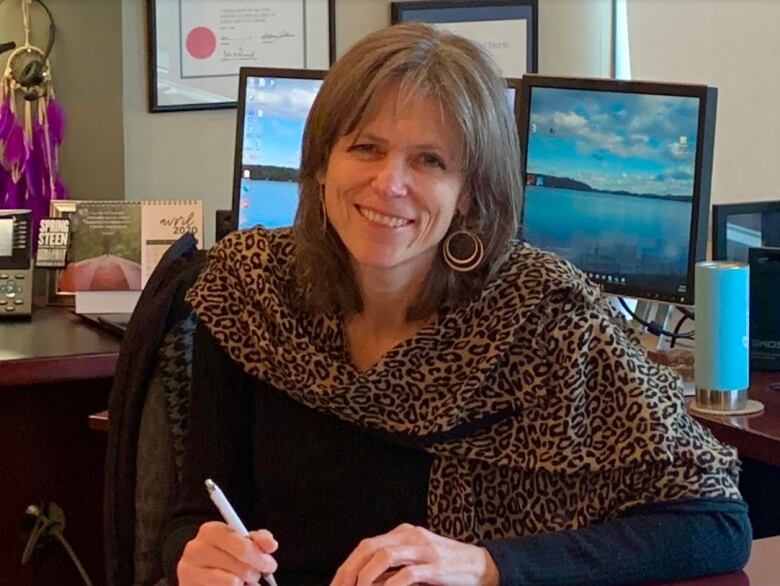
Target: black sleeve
217	446
662	541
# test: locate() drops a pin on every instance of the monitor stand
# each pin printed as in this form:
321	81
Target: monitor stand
665	314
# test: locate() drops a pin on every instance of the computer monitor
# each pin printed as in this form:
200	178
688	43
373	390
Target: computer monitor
738	227
617	179
272	108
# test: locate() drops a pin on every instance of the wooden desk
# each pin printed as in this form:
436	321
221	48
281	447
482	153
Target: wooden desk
54	371
755	436
763	569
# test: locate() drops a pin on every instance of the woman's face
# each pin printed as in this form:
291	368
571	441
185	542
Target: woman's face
393	186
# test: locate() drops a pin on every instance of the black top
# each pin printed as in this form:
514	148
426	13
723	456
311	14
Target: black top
320	485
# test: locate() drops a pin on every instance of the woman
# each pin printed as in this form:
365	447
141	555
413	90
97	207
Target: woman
402	394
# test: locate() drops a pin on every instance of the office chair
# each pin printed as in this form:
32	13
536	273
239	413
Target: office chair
147	419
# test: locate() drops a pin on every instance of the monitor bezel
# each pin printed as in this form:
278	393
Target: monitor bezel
244	73
705	141
516	83
720	216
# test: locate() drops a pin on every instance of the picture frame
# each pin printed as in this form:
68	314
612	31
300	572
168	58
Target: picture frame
196	48
508	29
59	208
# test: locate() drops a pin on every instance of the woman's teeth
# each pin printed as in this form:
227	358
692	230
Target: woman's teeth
376	217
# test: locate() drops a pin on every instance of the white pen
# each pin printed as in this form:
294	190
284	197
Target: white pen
231	518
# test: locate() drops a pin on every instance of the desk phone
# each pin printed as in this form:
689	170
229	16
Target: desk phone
16	266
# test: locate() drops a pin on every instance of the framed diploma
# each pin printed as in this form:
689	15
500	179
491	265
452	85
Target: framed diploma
508	29
196	47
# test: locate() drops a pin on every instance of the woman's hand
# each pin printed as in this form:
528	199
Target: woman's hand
413	555
218	556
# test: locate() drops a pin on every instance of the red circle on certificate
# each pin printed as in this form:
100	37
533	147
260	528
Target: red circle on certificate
201	42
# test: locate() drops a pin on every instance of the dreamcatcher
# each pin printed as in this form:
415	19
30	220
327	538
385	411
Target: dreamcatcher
31	127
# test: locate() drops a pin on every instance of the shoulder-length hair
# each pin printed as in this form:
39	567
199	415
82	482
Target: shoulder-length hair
423	61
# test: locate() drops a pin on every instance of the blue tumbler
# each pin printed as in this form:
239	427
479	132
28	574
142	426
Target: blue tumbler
722	356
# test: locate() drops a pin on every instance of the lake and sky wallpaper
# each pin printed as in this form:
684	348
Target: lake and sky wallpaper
609	182
275	114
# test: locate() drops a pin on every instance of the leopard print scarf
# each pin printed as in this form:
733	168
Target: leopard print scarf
539	409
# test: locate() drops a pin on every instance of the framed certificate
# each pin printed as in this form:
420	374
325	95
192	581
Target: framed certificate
196	47
508	29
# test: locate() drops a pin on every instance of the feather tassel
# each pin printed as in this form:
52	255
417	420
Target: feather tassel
6	119
11	193
55	117
16	149
35	169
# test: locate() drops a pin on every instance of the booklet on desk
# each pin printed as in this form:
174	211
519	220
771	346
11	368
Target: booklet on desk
113	323
117	245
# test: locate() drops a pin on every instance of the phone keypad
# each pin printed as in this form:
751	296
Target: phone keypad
11	292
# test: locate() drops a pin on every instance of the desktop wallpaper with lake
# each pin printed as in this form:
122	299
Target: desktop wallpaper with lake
610	181
274	116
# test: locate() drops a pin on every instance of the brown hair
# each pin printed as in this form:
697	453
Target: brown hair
424	61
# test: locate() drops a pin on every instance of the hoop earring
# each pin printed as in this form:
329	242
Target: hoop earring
322	207
463	265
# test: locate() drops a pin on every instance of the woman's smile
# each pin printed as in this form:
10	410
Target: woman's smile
382	220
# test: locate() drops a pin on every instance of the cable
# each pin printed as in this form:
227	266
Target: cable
51	525
680	322
657	329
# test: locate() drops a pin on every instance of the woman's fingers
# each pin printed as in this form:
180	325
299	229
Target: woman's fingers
242	549
218	556
414	555
414	575
194	575
386	558
264	540
404	535
213	557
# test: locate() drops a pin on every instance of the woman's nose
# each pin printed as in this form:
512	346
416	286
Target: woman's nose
391	177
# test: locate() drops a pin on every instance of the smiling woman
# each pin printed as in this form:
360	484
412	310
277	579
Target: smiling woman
399	393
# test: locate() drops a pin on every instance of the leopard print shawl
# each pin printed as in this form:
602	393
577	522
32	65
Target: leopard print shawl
539	409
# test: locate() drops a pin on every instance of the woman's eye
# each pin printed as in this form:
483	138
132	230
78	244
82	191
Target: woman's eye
432	161
363	148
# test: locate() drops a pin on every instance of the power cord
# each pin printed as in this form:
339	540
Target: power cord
657	329
51	523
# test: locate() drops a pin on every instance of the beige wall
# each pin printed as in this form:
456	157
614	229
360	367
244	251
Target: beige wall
186	155
734	46
87	72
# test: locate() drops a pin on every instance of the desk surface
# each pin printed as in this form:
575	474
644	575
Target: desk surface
755	436
54	346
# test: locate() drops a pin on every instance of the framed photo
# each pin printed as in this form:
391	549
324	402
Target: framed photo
196	47
59	208
508	29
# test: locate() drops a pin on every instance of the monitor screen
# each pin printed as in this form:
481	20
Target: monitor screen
617	180
272	110
738	227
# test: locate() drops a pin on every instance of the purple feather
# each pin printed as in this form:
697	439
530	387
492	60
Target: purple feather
6	119
16	149
59	189
3	192
11	192
39	154
56	118
33	176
